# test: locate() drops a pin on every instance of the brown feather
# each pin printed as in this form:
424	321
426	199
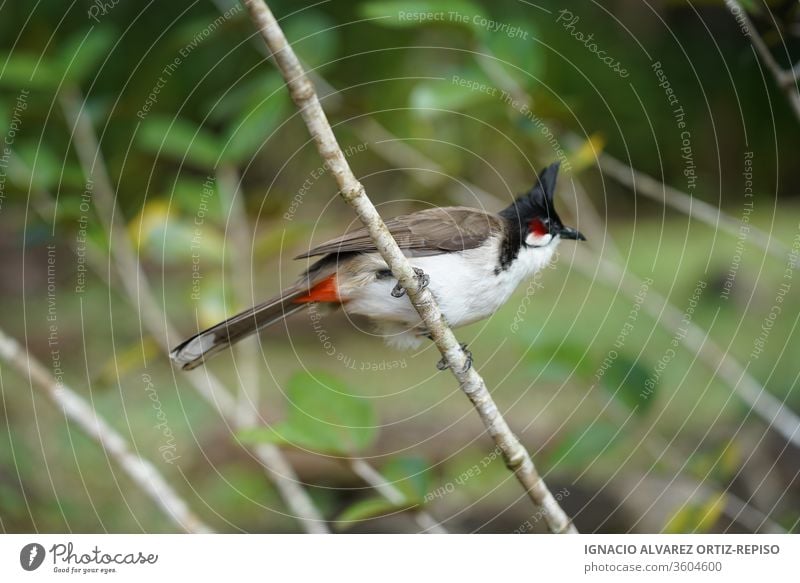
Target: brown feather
430	232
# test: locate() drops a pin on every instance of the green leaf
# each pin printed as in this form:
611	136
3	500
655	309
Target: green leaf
699	518
313	36
631	383
411	13
581	447
179	139
28	71
323	416
250	131
81	54
410	475
369	508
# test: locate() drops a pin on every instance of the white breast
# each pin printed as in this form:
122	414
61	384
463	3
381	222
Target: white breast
464	283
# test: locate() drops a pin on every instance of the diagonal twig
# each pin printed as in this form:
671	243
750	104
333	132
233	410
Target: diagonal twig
135	284
786	80
364	470
697	209
302	91
75	408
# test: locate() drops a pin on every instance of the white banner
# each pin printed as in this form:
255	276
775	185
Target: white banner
353	558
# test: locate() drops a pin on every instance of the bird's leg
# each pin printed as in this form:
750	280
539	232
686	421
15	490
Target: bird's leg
442	365
424	279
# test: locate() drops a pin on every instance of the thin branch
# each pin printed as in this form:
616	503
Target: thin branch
136	285
143	473
786	80
696	340
656	190
763	403
735	508
305	97
374	478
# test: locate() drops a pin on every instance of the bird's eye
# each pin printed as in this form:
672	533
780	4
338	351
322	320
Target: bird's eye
538	228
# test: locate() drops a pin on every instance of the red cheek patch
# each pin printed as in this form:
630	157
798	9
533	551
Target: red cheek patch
537	228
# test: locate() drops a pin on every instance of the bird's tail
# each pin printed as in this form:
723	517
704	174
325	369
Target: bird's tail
194	351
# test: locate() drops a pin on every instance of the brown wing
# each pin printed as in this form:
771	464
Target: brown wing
429	232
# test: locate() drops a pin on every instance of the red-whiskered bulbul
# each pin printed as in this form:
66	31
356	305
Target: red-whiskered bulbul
472	260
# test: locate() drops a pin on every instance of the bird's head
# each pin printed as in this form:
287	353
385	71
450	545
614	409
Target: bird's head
534	214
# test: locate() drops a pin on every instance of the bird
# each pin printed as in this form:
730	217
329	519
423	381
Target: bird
470	259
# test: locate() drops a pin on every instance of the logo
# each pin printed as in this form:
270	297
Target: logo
31	556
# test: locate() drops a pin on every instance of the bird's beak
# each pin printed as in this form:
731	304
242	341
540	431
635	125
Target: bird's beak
570	233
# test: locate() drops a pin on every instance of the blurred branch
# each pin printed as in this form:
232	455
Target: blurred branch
735	508
139	291
238	230
373	477
143	473
400	154
658	191
697	341
763	403
658	449
786	80
305	97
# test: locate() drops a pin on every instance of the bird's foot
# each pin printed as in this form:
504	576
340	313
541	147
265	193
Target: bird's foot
424	279
442	365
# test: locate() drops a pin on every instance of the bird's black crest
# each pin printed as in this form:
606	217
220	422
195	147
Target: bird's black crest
536	203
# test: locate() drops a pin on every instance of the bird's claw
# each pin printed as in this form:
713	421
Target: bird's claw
442	365
398	291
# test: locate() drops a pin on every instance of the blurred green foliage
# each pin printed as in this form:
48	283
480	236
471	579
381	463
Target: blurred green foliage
177	109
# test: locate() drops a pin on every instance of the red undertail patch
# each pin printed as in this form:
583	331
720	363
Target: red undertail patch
324	291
